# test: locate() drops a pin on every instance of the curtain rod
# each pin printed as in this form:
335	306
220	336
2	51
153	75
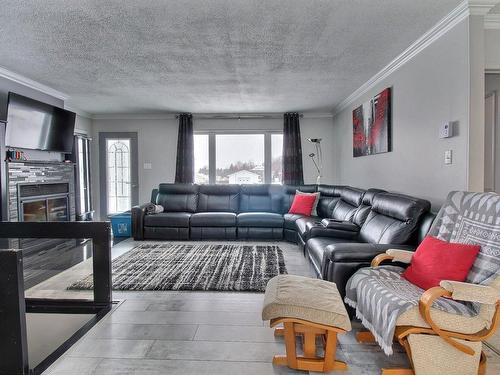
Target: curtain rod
238	116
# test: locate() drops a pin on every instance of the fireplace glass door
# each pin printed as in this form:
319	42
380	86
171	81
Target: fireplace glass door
35	210
48	209
57	209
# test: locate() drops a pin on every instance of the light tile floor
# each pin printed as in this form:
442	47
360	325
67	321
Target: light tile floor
202	333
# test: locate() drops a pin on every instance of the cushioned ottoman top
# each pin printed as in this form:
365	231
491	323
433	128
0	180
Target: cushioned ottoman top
314	300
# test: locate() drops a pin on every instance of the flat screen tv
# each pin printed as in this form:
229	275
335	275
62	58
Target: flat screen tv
38	126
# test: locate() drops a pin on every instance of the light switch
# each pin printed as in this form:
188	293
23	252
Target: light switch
148	166
448	157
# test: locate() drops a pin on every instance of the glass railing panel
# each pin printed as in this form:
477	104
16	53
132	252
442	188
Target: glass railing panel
56	268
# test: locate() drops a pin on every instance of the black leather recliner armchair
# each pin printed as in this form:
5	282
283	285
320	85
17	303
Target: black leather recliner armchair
394	221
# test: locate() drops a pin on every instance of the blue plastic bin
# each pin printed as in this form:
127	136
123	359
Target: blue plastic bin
121	224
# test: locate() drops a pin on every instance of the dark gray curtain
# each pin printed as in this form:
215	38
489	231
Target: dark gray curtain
292	150
184	168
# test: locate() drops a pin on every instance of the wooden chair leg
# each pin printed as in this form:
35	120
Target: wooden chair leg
482	365
365	337
309	361
330	362
291	350
397	371
309	344
279	332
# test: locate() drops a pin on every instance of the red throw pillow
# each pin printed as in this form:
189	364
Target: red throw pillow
436	260
302	204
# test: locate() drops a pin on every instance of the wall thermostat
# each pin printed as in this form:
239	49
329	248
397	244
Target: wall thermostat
446	130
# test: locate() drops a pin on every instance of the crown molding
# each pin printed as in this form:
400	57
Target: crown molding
481	7
18	78
78	111
205	116
134	116
492	21
457	15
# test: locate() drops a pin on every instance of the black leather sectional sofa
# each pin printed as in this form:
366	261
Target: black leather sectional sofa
363	223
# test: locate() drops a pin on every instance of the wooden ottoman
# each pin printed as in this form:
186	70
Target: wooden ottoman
309	308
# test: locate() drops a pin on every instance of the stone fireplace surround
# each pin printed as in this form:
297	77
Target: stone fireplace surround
34	172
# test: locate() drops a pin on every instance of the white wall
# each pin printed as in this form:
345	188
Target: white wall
492	49
493	85
157	144
83	125
429	90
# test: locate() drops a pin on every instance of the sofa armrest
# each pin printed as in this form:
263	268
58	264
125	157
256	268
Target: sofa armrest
358	252
471	292
340	225
321	231
138	213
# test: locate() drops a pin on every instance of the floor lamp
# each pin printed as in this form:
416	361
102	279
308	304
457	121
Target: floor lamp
317	158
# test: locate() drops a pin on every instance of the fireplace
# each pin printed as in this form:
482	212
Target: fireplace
43	202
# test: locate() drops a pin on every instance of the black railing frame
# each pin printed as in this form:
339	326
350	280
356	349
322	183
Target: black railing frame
14	305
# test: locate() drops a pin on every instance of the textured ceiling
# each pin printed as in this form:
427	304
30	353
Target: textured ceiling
208	55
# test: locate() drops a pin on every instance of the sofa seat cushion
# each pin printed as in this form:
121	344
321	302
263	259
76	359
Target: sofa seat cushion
168	219
344	229
290	220
302	224
260	220
213	219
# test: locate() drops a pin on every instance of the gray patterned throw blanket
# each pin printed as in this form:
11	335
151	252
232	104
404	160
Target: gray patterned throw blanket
380	295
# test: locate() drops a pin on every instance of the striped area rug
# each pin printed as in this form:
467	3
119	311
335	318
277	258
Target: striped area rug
172	266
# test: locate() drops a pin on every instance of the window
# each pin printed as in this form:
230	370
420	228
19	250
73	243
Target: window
119	192
240	158
201	175
82	186
276	158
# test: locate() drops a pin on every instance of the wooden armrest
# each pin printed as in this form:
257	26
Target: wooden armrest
394	255
425	304
381	258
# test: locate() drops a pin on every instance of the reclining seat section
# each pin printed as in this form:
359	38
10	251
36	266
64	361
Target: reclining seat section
216	214
179	202
343	210
391	223
346	229
328	198
260	214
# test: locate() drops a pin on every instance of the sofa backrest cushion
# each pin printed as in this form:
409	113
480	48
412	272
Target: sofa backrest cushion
154	194
350	200
219	198
329	195
289	194
366	205
393	218
261	198
178	197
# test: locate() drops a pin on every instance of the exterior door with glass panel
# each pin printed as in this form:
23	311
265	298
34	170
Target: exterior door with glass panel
118	172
